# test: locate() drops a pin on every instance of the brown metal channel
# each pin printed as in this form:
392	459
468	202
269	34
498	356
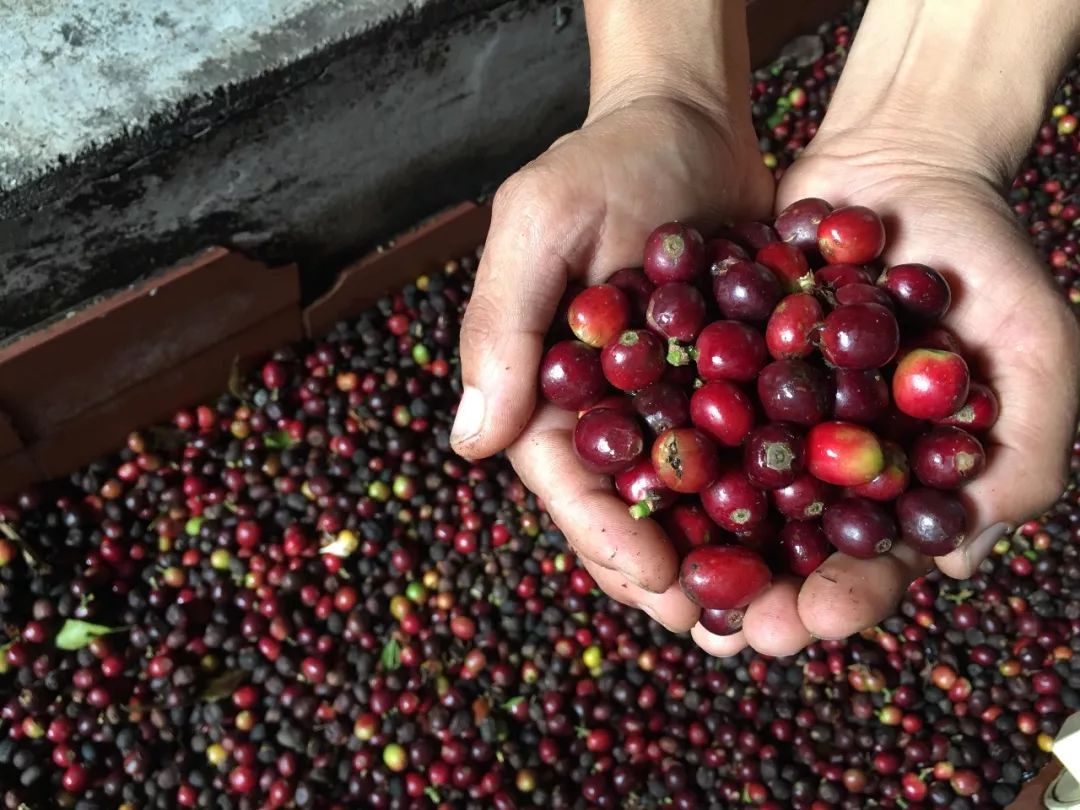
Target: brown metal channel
450	235
72	391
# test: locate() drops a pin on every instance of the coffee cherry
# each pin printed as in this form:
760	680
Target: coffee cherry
930	384
723	577
853	234
674	252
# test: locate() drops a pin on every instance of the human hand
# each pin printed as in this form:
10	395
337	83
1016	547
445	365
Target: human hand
652	149
938	190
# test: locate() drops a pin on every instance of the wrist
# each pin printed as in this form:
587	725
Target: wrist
693	52
956	86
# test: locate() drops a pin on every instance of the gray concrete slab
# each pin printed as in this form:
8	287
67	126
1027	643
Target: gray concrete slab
75	74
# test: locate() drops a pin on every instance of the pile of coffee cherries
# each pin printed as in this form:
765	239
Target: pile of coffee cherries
773	395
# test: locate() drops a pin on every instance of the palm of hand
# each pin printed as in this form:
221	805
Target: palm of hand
1015	328
597	193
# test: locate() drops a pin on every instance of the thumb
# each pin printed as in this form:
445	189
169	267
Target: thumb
517	290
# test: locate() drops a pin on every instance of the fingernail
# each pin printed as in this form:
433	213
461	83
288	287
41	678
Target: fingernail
470	415
978	549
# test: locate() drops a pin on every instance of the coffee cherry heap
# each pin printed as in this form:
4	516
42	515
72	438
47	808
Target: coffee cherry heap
866	408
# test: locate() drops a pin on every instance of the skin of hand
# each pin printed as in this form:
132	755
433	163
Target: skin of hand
936	180
651	150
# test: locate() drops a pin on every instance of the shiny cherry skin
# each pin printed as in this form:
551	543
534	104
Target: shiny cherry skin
853	235
729	350
723	577
724	411
685	459
794	391
674	252
930	384
947	458
859	336
608	441
931	521
571	376
633	360
859	527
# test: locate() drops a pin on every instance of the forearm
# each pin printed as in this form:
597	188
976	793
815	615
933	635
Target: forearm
692	49
972	77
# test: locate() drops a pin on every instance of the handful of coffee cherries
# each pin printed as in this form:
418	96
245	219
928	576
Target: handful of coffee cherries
773	395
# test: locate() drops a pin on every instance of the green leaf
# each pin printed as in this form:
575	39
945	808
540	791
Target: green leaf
432	794
391	655
223	685
1032	555
512	702
76	634
279	439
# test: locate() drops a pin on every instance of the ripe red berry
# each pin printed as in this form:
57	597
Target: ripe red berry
685	459
862	395
729	350
688	527
571	376
637	288
893	478
805	498
608	441
863	294
853	234
836	276
860	336
754	235
930	384
633	360
793	326
788	264
641	488
722	622
932	522
723	577
844	454
920	291
859	527
979	413
733	502
947	458
803	547
598	314
798	224
674	252
794	391
773	455
676	311
745	290
722	410
662	405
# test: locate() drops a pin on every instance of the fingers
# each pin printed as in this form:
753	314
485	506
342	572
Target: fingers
1028	461
518	285
772	625
596	522
720	646
670	608
846	595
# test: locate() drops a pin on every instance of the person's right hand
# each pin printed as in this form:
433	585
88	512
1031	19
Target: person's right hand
580	212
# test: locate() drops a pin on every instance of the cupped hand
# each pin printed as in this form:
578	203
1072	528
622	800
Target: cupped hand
1016	330
580	212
